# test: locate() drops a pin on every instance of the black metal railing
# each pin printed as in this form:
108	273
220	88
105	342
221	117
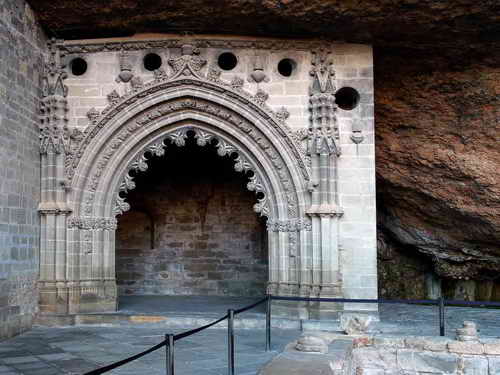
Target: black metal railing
170	339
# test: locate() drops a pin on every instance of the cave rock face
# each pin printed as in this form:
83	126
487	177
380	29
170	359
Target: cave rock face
438	161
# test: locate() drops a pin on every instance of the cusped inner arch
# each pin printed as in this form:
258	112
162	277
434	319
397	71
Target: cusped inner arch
221	107
177	137
109	199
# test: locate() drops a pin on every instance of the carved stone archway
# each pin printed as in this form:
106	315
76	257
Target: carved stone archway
85	175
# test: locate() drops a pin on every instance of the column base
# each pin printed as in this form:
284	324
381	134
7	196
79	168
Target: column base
74	297
307	310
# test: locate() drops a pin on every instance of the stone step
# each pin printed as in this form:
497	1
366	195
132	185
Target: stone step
253	321
337	361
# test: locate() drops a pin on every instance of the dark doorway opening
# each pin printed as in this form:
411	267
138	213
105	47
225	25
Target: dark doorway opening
191	229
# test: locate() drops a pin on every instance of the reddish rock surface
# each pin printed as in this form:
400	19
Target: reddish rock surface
438	160
380	22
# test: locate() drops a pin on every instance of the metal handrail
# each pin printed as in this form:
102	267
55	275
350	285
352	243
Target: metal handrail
170	339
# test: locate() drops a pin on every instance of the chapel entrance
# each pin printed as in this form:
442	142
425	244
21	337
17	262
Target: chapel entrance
191	229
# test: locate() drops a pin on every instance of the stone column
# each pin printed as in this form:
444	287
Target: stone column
54	143
323	150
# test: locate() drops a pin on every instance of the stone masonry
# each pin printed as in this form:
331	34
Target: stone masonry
191	231
294	117
22	50
425	356
301	136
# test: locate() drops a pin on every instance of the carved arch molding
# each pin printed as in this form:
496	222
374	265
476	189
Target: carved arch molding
85	175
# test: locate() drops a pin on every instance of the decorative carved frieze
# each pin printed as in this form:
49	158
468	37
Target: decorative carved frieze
273	45
291	225
46	210
92	223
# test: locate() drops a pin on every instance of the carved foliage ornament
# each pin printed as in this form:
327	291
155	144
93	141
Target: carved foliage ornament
178	138
54	133
88	223
323	132
292	225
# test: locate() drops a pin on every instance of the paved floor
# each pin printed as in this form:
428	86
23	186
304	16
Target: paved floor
75	350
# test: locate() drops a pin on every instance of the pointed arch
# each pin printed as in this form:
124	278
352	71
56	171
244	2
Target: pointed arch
132	124
162	114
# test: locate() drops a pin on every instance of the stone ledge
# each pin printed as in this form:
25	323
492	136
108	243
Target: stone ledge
464	347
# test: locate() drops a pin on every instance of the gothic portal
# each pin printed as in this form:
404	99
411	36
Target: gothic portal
294	117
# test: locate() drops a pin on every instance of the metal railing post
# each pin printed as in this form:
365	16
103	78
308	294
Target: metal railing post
441	316
170	354
230	342
268	323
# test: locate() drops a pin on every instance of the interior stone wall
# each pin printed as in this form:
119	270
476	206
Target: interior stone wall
22	46
191	229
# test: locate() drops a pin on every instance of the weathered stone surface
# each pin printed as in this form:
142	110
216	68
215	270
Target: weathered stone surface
355	324
436	344
427	362
375	358
473	365
468	332
22	46
493	365
310	343
392	342
492	348
465	347
296	363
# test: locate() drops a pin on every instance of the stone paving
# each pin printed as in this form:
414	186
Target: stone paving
75	350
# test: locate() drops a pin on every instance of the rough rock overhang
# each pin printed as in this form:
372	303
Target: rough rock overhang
459	23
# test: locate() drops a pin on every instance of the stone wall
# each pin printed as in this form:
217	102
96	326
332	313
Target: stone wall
426	356
335	207
191	229
22	45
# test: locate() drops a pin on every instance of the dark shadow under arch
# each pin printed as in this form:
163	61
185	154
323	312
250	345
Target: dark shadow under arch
207	238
